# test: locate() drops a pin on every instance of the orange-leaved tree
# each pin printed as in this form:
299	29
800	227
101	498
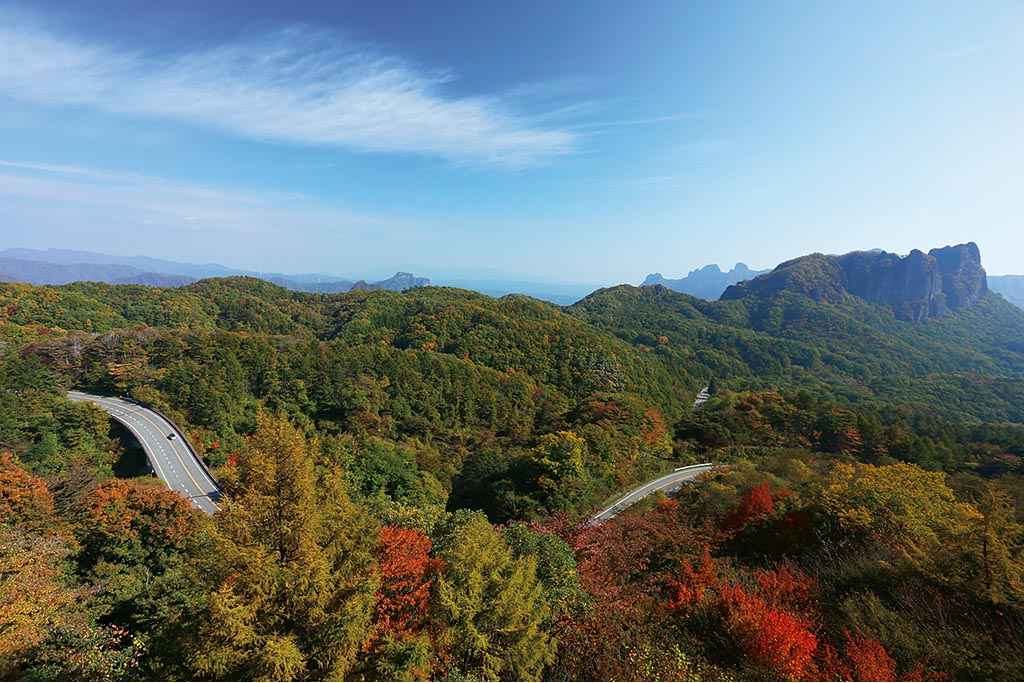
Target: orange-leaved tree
401	646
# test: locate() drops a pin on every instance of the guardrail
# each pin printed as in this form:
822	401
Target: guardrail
620	505
184	439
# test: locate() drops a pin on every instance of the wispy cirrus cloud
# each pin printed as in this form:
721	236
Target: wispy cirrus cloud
297	86
632	123
48	194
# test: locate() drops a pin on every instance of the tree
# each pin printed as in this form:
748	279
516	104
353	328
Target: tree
556	567
901	507
991	566
407	574
400	648
295	579
756	505
492	605
634	568
24	499
561	454
772	636
34	600
134	540
868	660
47	630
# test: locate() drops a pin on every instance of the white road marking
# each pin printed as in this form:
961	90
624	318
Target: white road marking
153	443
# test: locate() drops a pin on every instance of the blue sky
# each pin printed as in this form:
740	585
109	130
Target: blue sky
565	141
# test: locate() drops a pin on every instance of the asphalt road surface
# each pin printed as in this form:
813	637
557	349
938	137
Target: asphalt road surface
668	484
173	459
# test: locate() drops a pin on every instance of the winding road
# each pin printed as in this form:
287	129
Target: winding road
172	458
178	465
668	484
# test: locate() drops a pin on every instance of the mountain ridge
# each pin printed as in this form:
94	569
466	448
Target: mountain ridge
707	282
1010	287
62	268
916	286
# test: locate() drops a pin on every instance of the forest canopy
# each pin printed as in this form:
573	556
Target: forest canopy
408	479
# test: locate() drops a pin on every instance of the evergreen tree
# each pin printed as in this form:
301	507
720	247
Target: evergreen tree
296	580
494	606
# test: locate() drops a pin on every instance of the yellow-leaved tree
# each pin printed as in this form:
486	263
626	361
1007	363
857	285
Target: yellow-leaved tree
294	580
492	605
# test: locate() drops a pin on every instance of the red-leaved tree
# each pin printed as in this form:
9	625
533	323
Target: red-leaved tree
756	505
775	620
407	573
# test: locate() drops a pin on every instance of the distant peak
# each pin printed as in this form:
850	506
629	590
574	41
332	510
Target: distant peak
917	285
707	282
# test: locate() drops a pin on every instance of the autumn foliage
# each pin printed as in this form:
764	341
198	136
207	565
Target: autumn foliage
868	660
771	635
407	573
120	512
757	505
24	499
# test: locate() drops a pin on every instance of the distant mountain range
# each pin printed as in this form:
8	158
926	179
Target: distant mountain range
707	283
881	273
43	273
1010	286
561	294
61	266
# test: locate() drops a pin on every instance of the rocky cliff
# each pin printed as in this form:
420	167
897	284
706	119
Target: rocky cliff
917	285
398	282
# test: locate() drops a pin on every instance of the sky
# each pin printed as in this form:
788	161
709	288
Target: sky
579	142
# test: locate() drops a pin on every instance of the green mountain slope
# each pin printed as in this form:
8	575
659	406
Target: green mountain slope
969	363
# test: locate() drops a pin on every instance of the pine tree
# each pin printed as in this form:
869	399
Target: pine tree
295	578
493	605
997	549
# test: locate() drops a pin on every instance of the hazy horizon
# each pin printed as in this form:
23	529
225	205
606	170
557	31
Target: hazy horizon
541	141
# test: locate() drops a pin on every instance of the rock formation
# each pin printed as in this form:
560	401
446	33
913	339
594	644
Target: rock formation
917	285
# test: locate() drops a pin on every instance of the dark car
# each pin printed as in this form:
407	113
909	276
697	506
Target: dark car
172	436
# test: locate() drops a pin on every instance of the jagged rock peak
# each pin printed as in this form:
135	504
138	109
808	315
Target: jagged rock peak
917	285
707	282
963	278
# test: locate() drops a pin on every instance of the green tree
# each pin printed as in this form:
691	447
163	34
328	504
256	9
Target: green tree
561	454
556	567
135	540
994	550
295	577
493	605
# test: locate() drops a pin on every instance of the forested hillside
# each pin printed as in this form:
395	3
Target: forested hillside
863	524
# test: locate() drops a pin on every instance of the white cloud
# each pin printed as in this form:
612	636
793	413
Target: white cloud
631	123
708	145
52	191
296	86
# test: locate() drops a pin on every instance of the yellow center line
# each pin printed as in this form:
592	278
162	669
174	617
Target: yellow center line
171	443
